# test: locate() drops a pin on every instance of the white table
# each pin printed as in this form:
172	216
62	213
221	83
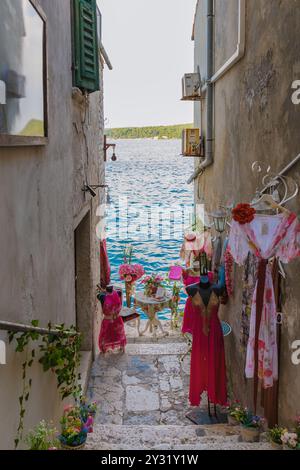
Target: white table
151	307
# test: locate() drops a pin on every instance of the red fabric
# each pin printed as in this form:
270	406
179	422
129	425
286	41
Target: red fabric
112	333
208	369
104	265
189	310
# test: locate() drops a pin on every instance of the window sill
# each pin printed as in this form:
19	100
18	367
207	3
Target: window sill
22	141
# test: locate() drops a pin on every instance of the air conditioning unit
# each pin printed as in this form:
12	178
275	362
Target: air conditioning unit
191	87
192	143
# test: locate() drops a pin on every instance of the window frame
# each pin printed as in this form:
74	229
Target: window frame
7	140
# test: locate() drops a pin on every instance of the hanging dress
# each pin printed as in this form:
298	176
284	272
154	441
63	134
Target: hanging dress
208	369
266	236
112	333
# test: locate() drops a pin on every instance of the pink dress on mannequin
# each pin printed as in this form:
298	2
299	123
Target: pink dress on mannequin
112	333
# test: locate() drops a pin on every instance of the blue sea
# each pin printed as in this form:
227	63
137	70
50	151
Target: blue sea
149	204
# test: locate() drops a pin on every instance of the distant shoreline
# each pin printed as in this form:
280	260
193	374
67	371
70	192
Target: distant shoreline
151	132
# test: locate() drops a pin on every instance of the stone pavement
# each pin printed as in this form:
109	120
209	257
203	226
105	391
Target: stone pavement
143	399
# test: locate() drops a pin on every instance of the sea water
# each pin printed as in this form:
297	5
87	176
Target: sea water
149	205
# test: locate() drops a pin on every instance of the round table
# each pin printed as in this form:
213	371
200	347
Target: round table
151	307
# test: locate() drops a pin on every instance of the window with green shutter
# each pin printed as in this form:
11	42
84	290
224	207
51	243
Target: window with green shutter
86	60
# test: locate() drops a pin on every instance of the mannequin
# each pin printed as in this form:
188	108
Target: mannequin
191	276
208	370
108	290
112	334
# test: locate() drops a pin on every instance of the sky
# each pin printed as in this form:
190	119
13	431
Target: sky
150	47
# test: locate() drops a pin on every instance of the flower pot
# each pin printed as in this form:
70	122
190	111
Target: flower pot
249	434
276	446
232	421
80	447
79	443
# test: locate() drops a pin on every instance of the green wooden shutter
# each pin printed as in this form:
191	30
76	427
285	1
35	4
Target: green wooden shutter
86	59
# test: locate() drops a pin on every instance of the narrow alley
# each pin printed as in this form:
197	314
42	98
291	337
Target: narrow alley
150	229
143	398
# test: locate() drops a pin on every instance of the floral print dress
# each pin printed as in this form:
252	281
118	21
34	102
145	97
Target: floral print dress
267	236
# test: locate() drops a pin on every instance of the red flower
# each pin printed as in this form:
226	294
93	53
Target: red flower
243	213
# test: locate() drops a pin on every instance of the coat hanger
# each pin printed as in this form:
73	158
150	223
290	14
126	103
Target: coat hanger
270	203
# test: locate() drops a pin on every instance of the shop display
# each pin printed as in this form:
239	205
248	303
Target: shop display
208	370
265	236
112	334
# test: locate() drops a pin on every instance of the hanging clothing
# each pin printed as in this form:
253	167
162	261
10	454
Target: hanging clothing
208	369
112	333
192	248
266	236
249	282
269	396
104	265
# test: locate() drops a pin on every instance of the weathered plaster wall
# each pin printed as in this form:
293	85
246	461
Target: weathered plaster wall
255	120
41	205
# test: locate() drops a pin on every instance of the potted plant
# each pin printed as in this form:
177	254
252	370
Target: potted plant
88	411
290	441
275	435
151	284
74	430
43	437
251	426
236	413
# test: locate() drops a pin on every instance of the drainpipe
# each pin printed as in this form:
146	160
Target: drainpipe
240	47
208	160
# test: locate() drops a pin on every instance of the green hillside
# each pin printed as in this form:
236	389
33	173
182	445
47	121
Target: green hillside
151	132
34	128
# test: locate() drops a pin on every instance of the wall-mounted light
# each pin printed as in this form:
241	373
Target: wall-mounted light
90	188
106	147
219	219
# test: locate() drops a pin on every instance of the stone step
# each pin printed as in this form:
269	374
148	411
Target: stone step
156	349
213	437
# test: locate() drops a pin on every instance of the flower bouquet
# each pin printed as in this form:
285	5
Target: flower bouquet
236	413
251	426
275	436
74	429
151	284
130	273
88	411
290	440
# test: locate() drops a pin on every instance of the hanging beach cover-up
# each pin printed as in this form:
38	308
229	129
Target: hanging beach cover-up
266	236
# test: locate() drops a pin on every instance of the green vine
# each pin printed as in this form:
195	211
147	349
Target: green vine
59	353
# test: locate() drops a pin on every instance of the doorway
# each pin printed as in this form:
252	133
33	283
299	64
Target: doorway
83	282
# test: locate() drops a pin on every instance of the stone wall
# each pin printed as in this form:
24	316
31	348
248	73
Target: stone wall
254	119
41	206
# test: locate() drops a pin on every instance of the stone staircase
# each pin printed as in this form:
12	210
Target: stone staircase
163	437
143	401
